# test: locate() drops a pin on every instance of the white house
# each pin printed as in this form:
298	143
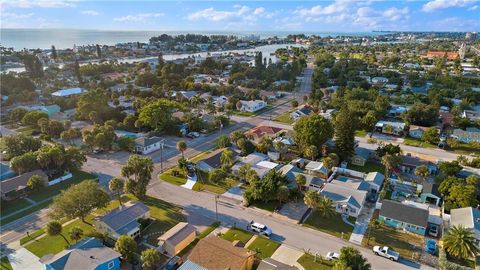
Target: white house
252	105
388	127
68	92
145	145
467	217
346	200
304	111
123	220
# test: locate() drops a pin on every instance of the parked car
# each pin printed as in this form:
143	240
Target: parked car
433	231
260	228
431	246
386	252
332	256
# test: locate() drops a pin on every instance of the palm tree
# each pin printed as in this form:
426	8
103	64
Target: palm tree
243	171
311	152
116	186
151	259
300	180
283	194
227	158
75	233
182	146
325	207
390	162
422	171
312	199
458	242
55	228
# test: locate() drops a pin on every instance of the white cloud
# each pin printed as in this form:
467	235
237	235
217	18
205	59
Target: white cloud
37	3
474	8
335	7
16	15
141	17
443	4
239	14
90	12
395	14
370	18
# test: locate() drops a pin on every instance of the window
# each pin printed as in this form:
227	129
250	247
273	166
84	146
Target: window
111	265
388	219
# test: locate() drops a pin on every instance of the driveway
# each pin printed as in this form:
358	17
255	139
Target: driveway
235	193
287	255
361	225
23	259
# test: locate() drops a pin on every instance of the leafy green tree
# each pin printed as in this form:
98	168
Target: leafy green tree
93	101
283	194
312	130
223	141
79	200
459	242
116	185
388	149
24	163
217	176
75	233
266	189
312	199
31	118
246	146
182	147
325	207
311	152
431	135
17	114
126	143
126	246
227	158
301	181
151	259
294	104
138	172
450	168
243	171
369	120
345	133
353	259
55	228
422	171
53	53
36	183
70	134
390	162
158	114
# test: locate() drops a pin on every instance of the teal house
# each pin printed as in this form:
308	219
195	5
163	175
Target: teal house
402	216
88	254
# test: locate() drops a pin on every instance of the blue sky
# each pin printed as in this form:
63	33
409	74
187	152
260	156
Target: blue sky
312	16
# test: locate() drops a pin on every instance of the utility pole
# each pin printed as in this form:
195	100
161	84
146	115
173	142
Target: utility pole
162	143
216	207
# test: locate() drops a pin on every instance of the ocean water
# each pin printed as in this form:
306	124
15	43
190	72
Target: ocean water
66	38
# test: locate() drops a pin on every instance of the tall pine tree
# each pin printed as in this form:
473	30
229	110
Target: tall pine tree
345	133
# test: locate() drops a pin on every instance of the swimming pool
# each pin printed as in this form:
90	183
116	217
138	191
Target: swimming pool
342	178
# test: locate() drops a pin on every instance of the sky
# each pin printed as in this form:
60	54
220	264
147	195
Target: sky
307	16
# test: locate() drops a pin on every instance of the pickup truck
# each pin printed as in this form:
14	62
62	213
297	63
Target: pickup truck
386	252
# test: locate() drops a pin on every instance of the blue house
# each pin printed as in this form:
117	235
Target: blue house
88	254
404	216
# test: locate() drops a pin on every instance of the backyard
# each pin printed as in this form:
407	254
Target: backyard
311	262
369	166
331	225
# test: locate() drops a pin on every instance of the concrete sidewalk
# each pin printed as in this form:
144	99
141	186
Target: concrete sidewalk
23	259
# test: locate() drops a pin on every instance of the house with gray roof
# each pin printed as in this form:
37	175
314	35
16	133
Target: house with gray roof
346	200
177	238
361	156
467	136
430	194
17	186
289	171
404	216
467	217
375	179
123	220
88	254
147	145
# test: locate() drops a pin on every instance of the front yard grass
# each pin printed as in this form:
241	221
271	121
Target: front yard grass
309	262
369	166
332	225
8	207
269	206
416	142
465	149
237	234
284	118
405	243
167	176
5	264
360	133
218	188
264	247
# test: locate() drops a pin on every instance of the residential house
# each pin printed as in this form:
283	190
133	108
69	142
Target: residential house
375	180
88	254
220	101
271	264
466	136
144	145
259	132
446	118
123	220
409	164
416	131
304	111
328	114
119	87
468	217
317	169
68	92
347	200
379	81
270	95
391	128
252	105
430	194
177	238
362	155
213	160
437	54
289	171
215	253
404	216
184	94
50	109
17	186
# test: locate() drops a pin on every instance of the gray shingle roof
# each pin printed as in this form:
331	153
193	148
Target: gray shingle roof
86	254
20	182
404	213
144	141
124	219
431	189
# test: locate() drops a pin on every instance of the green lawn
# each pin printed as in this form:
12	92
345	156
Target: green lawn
264	247
8	207
416	142
368	167
248	114
218	188
309	262
32	236
465	149
5	264
176	180
331	225
26	130
284	118
25	212
237	234
360	133
405	243
269	206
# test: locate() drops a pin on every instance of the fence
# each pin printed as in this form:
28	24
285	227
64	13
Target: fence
60	179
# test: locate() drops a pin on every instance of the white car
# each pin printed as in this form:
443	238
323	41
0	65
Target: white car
332	256
386	252
260	229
